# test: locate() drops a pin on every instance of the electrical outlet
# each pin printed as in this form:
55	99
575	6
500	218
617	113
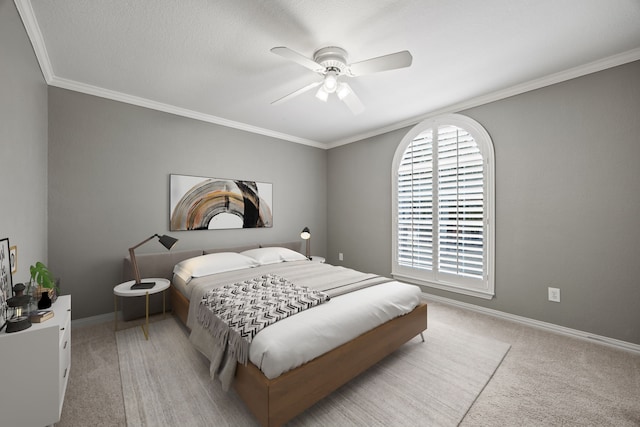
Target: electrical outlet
554	294
340	256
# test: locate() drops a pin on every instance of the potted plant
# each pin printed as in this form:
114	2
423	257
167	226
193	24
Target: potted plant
41	275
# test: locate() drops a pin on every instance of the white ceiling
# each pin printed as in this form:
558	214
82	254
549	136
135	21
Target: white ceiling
211	59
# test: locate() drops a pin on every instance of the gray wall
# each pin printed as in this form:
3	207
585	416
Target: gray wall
359	206
567	203
23	144
109	167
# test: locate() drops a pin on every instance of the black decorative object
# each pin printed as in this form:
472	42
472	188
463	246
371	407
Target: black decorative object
45	301
19	318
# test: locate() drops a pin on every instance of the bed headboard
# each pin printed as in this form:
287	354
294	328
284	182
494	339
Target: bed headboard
161	264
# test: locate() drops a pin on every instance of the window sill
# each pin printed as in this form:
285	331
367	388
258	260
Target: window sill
478	293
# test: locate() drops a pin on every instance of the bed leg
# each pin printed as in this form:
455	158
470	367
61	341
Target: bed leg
422	336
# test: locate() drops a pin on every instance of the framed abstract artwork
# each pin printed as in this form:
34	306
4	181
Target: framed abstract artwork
6	282
201	203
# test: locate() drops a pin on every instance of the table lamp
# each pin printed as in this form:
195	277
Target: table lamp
167	242
306	235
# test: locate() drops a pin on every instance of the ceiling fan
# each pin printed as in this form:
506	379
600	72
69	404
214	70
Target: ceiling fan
331	63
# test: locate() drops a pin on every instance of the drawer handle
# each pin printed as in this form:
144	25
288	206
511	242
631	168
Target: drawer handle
65	373
65	345
62	329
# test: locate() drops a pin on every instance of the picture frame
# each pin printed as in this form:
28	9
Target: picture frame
203	203
13	259
6	280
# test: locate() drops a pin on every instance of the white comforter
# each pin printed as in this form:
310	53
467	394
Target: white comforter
298	339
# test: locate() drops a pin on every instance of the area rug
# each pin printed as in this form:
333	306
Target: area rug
165	382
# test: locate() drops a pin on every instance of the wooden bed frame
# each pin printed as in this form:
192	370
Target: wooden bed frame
276	401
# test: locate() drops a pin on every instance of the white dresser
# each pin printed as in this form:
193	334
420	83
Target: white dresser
34	369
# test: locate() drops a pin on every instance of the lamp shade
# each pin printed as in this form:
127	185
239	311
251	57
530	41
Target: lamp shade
305	234
168	241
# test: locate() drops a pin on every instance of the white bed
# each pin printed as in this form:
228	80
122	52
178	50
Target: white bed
363	309
293	341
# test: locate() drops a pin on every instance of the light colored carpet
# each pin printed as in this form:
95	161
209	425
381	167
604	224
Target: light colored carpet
545	380
94	391
165	382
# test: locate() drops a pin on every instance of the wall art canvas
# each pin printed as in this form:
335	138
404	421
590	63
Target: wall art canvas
6	282
201	203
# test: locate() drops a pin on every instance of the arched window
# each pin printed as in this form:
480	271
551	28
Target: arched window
443	206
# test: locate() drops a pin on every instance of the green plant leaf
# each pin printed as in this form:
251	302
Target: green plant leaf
42	276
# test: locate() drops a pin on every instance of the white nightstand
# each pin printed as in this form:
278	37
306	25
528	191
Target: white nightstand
124	290
316	258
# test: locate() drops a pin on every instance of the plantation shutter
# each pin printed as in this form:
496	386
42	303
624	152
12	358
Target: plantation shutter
460	204
443	207
415	204
458	228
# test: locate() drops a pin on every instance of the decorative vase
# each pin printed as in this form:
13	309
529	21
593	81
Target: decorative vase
45	301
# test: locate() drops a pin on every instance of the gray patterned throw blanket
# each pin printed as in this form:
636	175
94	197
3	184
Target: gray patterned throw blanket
235	313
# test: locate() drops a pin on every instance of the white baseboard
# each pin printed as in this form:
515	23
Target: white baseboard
93	320
612	342
101	318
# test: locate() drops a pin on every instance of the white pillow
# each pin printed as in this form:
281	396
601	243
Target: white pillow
211	264
272	255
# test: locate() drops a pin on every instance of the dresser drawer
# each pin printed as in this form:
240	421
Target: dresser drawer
65	356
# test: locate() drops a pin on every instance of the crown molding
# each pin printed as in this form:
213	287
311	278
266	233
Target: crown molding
35	35
167	108
562	76
37	41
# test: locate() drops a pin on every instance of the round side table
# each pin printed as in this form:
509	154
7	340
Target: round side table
124	290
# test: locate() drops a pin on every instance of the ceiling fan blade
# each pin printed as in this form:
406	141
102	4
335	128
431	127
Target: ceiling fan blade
381	63
296	93
291	55
350	98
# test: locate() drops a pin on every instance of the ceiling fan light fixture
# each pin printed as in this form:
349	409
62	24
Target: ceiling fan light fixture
322	94
330	81
343	91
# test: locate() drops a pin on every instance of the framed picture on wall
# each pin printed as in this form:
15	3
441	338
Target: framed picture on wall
6	282
13	259
202	203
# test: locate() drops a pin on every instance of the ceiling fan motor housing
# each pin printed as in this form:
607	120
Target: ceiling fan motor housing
332	58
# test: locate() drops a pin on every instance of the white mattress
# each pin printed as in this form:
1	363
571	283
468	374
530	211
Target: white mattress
298	339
